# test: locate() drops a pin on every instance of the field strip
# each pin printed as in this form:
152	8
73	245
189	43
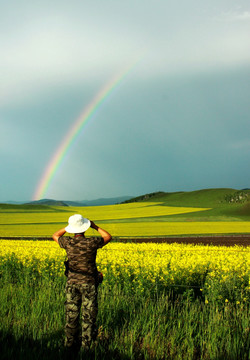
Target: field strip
180	228
139	229
114	212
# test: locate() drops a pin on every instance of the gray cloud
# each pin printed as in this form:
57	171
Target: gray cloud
54	46
179	120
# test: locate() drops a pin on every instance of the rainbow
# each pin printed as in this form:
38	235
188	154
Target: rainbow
59	156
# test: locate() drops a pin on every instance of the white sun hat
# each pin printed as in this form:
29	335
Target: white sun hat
77	224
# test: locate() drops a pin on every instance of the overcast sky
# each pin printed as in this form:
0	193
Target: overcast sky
178	121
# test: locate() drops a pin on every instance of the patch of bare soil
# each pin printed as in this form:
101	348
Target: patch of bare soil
220	240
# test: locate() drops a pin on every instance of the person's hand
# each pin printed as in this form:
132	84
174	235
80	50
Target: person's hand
93	225
104	234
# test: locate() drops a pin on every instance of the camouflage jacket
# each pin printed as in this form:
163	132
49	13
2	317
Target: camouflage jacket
81	254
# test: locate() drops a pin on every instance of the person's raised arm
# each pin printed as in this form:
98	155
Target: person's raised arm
104	234
58	234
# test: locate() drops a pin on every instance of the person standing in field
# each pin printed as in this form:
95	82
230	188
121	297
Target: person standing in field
83	280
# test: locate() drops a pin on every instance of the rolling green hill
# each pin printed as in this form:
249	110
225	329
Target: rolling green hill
224	202
200	198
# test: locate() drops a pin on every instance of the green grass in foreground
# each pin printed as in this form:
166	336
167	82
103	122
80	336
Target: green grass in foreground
156	324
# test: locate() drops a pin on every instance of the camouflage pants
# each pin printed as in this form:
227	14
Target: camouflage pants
80	298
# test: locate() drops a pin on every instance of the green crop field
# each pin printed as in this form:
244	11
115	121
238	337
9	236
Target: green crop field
198	212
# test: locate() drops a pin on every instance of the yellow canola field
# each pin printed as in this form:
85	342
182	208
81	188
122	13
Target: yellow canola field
121	220
170	263
177	228
96	213
137	229
144	255
136	210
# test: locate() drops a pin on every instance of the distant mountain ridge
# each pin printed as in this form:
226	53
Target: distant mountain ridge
96	202
48	202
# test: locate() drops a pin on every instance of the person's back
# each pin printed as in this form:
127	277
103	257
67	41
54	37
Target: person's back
81	253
